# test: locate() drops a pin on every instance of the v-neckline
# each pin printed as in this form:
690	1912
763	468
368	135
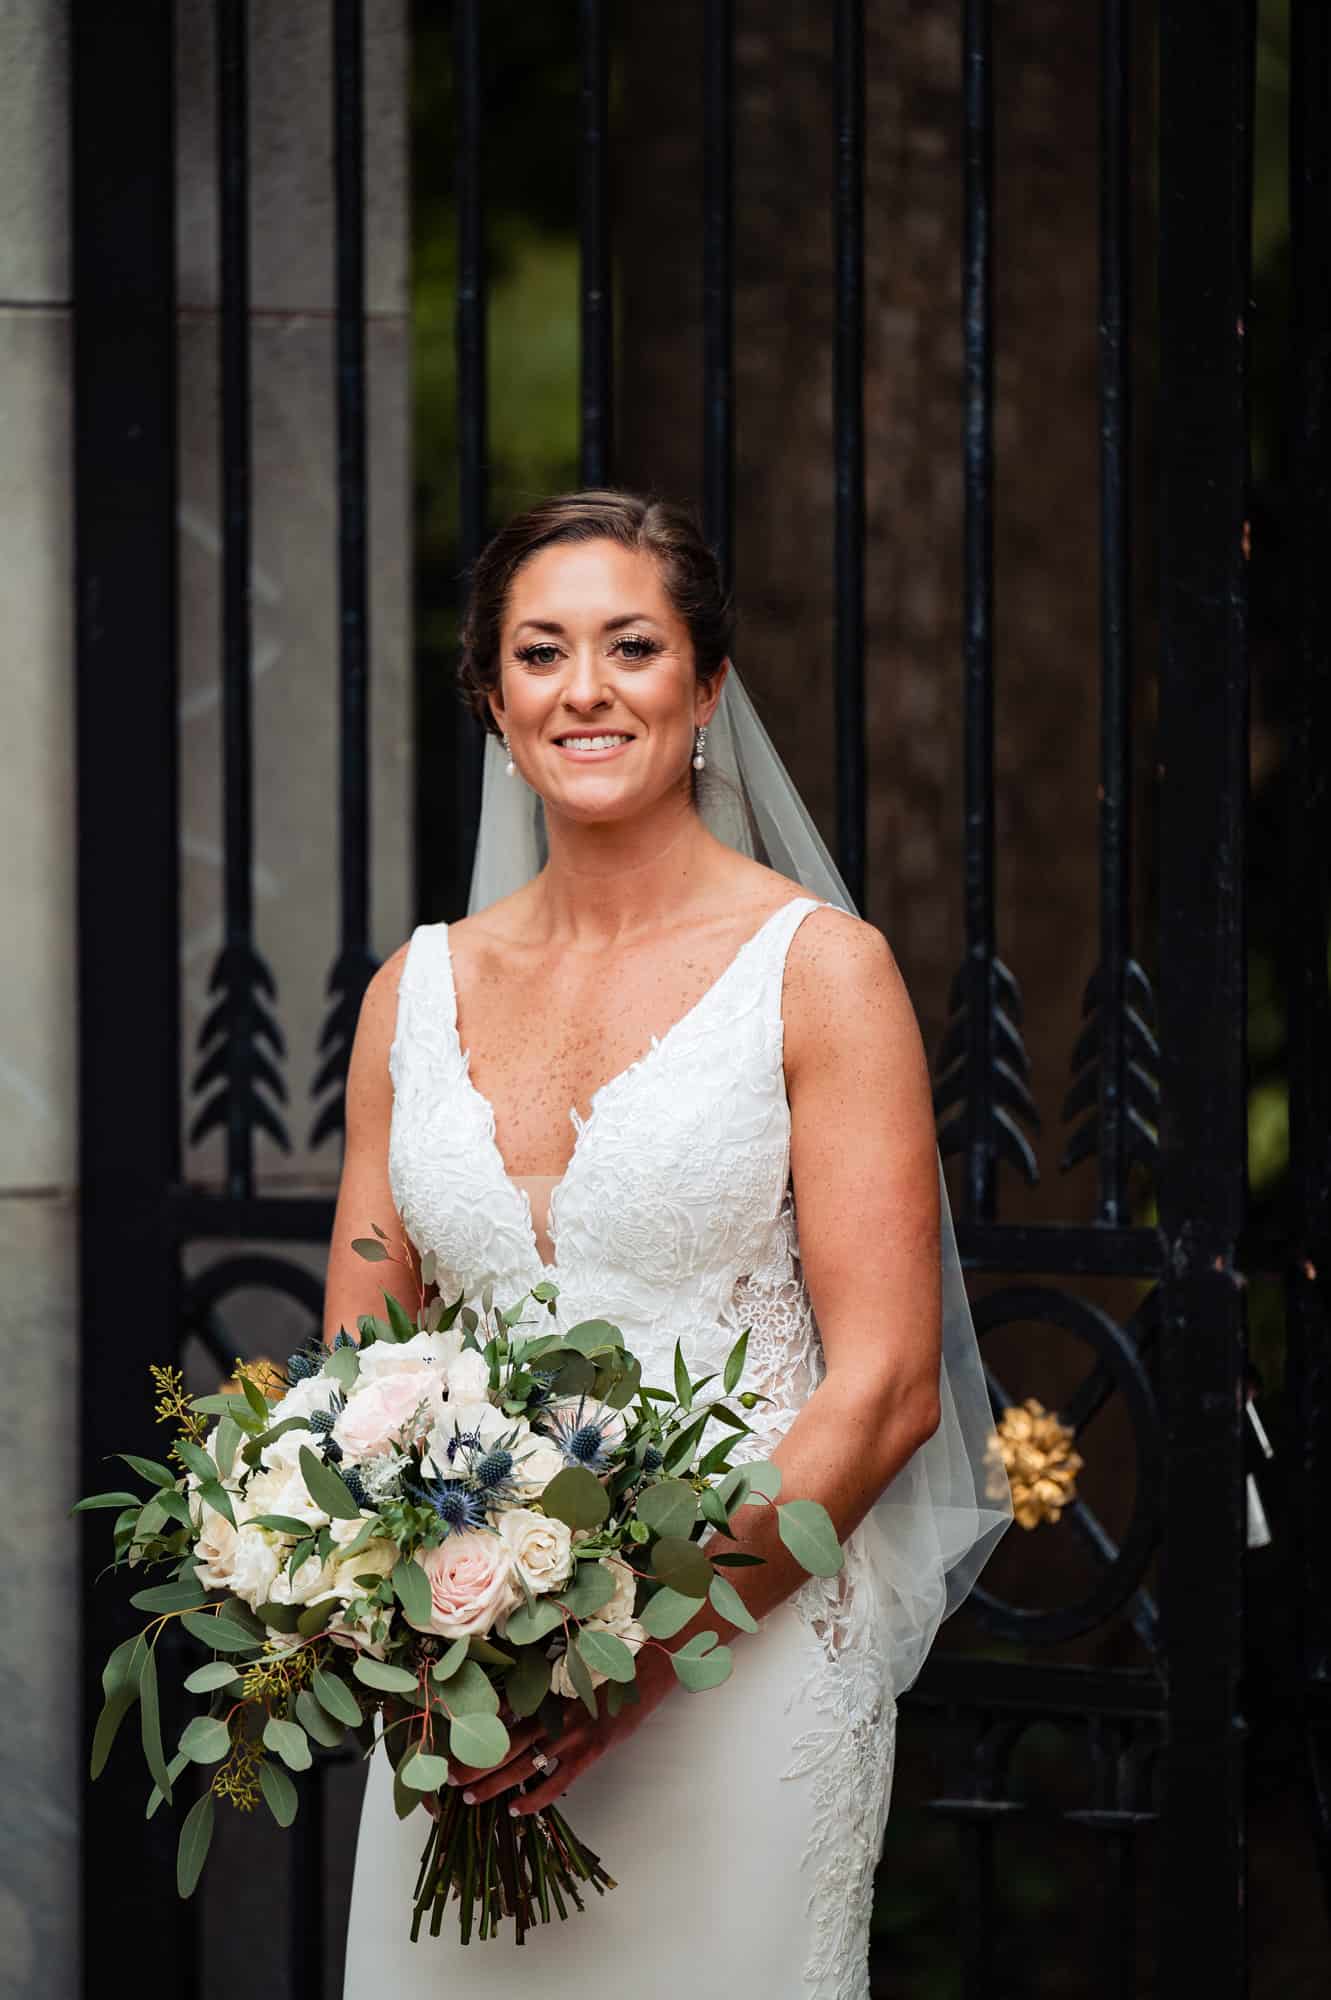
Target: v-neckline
582	1126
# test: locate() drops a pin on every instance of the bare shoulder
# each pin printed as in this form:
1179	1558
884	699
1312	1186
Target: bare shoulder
844	989
378	1010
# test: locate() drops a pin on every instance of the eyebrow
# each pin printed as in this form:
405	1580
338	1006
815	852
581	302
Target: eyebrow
611	624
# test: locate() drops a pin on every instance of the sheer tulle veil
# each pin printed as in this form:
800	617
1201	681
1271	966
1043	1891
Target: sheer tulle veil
934	1527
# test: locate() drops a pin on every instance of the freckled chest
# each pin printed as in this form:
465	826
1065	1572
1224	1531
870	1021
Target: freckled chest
545	1031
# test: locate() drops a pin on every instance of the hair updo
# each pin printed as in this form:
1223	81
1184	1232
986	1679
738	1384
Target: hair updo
690	573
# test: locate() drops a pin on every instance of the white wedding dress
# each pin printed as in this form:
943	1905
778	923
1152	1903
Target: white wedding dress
742	1825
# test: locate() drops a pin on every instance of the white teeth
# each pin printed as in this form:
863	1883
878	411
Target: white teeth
595	742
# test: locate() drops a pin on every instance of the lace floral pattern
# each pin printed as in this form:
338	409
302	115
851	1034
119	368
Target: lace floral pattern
675	1216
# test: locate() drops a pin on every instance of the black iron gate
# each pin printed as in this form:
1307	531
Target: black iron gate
1157	1079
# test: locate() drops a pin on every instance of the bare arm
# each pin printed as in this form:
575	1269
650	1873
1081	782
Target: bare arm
364	1197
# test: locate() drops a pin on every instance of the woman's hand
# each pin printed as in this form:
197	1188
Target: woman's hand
547	1766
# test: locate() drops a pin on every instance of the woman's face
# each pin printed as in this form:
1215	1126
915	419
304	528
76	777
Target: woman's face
597	691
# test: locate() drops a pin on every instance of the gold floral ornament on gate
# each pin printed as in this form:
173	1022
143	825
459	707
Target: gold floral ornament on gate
1038	1454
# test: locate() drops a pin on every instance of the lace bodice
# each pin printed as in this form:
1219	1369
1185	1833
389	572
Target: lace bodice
674	1216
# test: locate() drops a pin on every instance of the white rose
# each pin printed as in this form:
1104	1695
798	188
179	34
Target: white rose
632	1635
255	1562
280	1490
536	1462
311	1582
302	1399
469	1377
385	1357
481	1421
617	1611
542	1548
215	1549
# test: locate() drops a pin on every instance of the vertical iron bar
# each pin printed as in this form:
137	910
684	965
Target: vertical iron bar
472	384
1115	597
125	611
718	282
1308	1272
237	757
1205	169
352	492
595	277
848	393
354	965
979	1187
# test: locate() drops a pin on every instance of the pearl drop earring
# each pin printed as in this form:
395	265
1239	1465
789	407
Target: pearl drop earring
700	738
510	767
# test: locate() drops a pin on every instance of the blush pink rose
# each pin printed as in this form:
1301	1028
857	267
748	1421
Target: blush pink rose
379	1412
471	1583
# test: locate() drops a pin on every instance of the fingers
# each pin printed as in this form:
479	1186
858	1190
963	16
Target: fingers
505	1776
558	1775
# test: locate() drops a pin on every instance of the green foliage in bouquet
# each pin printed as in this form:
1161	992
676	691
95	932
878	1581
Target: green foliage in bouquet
468	1518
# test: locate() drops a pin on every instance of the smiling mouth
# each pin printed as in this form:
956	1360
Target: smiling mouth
583	743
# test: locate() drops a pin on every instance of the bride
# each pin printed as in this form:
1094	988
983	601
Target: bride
656	1069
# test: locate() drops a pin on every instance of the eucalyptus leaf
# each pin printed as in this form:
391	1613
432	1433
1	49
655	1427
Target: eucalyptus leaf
605	1654
469	1691
290	1742
593	1336
221	1633
280	1524
316	1617
316	1723
336	1697
666	1611
205	1740
174	1768
574	1376
279	1793
213	1674
806	1529
114	1710
669	1508
486	1651
524	1626
370	1249
124	1666
195	1837
682	1565
725	1599
255	1397
576	1497
378	1674
478	1740
699	1671
424	1772
448	1663
581	1679
196	1458
327	1488
591	1589
343	1365
528	1683
280	1617
150	1721
412	1587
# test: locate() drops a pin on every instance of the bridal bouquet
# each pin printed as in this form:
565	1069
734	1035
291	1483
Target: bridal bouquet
461	1521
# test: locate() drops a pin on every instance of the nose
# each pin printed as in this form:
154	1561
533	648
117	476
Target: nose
585	686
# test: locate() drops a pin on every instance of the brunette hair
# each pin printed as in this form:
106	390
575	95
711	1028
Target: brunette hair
689	570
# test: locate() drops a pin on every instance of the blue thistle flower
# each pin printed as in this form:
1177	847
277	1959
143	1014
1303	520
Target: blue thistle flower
493	1471
456	1502
652	1459
355	1485
583	1438
302	1365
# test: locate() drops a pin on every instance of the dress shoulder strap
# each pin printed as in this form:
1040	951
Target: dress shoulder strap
426	1002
